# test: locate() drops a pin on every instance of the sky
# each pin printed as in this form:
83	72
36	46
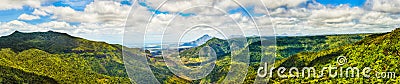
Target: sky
156	20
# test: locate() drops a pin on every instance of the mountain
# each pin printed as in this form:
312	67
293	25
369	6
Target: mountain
380	52
203	39
286	47
64	58
59	57
52	42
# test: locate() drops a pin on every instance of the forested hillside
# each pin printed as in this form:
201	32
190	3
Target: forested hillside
57	57
62	58
380	52
285	47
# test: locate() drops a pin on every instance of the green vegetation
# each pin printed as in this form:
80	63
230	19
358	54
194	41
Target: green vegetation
61	57
380	52
286	46
13	75
51	57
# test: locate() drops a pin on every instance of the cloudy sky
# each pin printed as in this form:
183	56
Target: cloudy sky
105	20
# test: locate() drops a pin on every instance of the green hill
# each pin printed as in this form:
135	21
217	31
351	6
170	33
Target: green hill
286	46
13	75
64	58
380	52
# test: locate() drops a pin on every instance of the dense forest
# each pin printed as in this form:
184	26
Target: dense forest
380	52
52	57
286	46
61	58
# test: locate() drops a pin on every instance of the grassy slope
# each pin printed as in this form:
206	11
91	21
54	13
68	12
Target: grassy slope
379	52
103	62
65	58
13	75
286	46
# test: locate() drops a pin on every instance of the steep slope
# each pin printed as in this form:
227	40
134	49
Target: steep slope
64	68
98	59
286	46
380	52
52	42
219	45
12	75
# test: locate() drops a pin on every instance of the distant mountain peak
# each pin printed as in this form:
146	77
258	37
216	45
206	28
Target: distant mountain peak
16	32
48	33
205	36
203	39
50	41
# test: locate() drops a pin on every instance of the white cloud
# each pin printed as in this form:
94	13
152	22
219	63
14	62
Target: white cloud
95	12
278	3
99	18
229	24
320	19
20	26
56	25
341	14
97	32
106	18
16	23
18	4
69	14
82	30
180	5
39	12
390	6
28	17
379	18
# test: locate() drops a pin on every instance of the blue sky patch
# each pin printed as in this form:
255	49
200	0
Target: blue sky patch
352	3
126	2
13	14
78	5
